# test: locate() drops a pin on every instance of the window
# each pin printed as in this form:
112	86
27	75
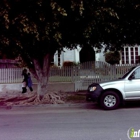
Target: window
130	55
136	74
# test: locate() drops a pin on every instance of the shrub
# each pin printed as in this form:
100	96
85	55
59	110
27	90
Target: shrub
112	57
69	63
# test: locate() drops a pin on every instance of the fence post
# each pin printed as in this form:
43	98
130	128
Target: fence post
113	71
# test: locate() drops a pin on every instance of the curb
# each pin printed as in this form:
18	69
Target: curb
49	106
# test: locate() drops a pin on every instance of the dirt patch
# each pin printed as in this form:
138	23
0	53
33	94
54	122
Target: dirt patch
52	97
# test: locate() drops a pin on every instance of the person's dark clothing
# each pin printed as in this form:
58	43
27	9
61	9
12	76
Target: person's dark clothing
25	78
30	82
25	81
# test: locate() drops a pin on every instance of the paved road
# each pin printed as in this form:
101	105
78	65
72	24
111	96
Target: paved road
69	122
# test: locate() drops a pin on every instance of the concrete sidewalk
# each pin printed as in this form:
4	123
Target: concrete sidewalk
57	86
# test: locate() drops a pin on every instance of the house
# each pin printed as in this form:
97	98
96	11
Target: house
129	55
67	55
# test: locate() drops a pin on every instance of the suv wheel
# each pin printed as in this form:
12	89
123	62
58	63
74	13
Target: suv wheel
110	100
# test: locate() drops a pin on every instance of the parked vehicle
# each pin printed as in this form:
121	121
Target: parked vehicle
110	95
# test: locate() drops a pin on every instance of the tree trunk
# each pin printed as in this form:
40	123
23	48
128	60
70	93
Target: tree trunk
42	74
42	86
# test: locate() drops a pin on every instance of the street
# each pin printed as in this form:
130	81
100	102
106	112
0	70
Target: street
72	122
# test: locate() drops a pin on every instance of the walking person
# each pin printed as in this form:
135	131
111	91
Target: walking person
30	82
25	81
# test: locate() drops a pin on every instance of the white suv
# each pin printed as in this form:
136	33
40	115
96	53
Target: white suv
110	95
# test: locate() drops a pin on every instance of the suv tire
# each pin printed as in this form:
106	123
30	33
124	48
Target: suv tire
109	100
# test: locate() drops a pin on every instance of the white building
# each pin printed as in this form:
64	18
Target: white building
130	55
67	55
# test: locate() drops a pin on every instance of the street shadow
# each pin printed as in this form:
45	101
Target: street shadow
92	105
127	105
131	104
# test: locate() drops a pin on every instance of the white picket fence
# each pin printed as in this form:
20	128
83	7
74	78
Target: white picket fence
81	75
10	75
84	74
